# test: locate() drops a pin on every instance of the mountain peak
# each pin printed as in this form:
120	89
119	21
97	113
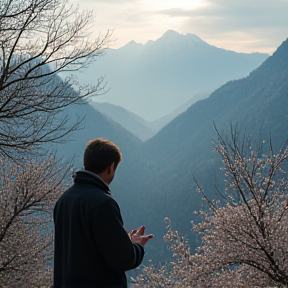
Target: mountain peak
132	43
174	39
171	33
132	47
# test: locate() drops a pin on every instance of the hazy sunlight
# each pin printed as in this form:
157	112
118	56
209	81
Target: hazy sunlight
170	4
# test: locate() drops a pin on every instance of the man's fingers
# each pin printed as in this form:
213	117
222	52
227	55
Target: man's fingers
141	230
141	239
133	232
138	236
148	236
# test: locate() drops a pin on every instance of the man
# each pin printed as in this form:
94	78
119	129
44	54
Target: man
92	248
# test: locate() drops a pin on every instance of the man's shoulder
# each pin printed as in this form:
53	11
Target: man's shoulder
90	195
88	191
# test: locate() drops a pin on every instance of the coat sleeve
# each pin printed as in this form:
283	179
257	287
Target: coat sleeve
114	244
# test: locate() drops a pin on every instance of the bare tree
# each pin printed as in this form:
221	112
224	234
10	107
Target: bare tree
244	236
27	195
38	40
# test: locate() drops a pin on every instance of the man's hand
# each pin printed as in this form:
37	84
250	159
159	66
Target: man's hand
137	236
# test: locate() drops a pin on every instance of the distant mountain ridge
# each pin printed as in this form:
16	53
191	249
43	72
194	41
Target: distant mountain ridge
130	121
93	125
135	124
162	174
155	178
152	80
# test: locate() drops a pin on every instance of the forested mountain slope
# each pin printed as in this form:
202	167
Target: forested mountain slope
135	124
160	180
155	179
128	120
94	125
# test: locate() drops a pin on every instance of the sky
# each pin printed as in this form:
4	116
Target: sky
238	25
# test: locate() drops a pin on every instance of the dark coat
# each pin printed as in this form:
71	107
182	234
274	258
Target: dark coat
92	248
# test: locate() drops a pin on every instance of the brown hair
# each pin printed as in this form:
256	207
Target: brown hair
99	154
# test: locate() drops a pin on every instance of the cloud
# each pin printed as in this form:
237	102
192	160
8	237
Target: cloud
95	2
253	20
242	13
240	25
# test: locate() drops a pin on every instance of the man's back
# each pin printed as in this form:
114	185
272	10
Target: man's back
92	249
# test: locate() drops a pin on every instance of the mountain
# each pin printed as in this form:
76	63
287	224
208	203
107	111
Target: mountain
163	121
130	121
93	125
137	125
153	79
159	182
155	179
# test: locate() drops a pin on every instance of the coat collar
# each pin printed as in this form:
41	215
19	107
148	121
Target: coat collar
87	177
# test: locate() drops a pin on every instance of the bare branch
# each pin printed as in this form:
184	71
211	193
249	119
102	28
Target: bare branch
40	39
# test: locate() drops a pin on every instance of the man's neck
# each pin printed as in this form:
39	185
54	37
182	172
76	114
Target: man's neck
97	176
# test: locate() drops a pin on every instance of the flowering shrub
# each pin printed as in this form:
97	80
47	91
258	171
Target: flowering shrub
244	236
27	194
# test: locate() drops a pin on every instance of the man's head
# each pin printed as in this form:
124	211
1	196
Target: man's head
102	157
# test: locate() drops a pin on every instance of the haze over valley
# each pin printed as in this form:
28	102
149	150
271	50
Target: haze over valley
153	79
195	95
155	179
